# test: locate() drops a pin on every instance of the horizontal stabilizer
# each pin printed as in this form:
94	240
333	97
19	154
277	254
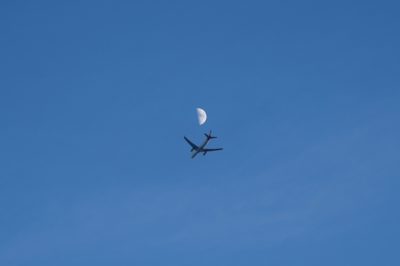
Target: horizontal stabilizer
209	135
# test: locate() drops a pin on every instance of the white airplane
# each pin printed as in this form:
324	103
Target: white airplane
202	148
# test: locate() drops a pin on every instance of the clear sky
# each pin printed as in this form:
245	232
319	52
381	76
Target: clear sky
96	96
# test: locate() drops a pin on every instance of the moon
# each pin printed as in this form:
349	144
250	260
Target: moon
201	116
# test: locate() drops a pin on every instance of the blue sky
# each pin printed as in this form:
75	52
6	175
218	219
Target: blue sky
96	96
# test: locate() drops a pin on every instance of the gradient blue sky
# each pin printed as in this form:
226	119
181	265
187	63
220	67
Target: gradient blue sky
96	96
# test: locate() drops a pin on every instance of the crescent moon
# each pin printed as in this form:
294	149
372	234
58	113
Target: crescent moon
201	116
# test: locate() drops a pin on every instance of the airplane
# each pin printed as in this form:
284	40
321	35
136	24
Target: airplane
202	148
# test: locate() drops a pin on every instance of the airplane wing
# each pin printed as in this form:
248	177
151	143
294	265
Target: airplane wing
208	150
191	143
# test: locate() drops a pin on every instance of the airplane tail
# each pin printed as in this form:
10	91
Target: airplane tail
209	136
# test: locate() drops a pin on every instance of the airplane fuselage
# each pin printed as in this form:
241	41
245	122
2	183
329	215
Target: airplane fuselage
201	148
